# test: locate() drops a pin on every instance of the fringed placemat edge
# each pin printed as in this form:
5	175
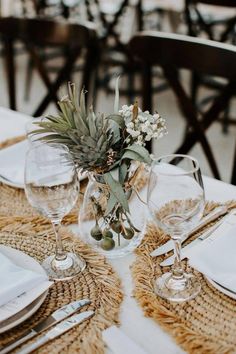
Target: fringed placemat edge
99	268
143	270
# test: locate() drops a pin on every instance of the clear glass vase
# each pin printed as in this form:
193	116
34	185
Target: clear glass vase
117	233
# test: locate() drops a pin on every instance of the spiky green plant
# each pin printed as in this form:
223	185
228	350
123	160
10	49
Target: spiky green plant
105	145
93	141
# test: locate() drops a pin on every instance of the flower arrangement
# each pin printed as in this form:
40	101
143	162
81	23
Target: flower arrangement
105	146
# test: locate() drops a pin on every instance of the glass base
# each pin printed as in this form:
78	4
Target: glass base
64	269
178	290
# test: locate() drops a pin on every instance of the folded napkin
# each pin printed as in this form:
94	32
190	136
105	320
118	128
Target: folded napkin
15	280
12	123
119	343
215	256
12	163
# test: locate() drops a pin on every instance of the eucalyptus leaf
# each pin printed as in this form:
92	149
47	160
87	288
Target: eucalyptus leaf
123	172
131	155
110	204
137	152
118	119
117	190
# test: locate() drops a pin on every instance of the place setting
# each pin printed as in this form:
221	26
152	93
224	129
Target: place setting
70	274
43	309
195	286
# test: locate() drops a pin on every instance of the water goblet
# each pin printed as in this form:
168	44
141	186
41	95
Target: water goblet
176	202
52	187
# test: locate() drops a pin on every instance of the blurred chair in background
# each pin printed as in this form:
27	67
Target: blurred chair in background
173	52
115	21
233	180
216	22
78	41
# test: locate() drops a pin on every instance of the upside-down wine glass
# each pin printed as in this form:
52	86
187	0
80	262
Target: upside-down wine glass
176	202
52	187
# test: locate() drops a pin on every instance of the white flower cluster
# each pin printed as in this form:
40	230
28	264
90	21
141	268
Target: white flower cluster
144	127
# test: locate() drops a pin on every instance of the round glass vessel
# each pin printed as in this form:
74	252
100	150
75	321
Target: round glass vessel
114	232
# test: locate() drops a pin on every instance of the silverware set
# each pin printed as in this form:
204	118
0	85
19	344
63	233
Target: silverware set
60	321
168	246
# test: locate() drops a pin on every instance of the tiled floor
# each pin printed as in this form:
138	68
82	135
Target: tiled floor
222	145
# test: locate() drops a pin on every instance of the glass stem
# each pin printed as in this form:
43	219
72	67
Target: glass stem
60	252
177	270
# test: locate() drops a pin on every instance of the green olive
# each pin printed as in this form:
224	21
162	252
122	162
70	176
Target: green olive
107	244
128	233
116	226
96	233
107	233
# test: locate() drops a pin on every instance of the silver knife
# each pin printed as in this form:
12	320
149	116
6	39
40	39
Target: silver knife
170	260
169	245
56	331
53	319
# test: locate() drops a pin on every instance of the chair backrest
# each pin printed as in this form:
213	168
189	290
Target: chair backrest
173	52
47	32
185	52
38	33
106	20
226	3
199	23
47	8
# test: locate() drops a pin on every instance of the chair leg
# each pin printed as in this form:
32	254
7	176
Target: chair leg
147	88
189	140
63	75
28	79
233	179
10	69
225	121
194	88
91	67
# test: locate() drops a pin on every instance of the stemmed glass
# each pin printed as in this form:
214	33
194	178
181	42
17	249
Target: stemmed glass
176	202
52	187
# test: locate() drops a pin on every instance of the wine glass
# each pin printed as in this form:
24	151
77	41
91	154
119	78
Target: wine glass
176	202
52	187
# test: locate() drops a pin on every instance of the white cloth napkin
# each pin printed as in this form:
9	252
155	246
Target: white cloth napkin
12	123
119	343
12	162
215	256
15	280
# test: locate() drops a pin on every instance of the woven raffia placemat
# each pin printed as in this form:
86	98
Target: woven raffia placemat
22	228
205	325
98	282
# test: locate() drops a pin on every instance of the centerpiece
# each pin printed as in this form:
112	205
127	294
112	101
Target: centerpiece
111	149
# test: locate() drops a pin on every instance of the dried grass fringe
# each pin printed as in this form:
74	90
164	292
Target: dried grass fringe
173	318
106	300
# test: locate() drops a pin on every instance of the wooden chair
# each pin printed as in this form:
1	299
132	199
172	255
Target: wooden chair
233	180
173	52
114	54
221	28
198	23
38	33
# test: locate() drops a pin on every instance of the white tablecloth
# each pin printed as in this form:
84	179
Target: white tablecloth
142	330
